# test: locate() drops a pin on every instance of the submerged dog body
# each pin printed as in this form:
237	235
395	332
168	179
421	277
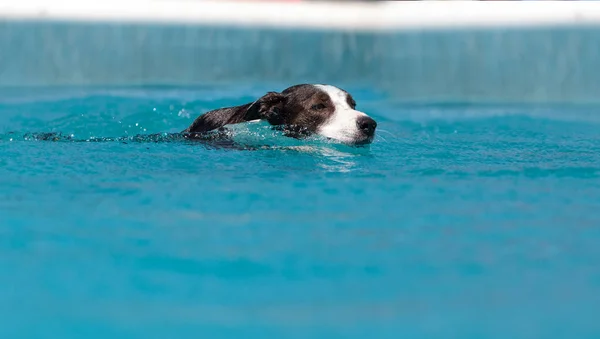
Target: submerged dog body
299	111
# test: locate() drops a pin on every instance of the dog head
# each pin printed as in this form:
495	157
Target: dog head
320	109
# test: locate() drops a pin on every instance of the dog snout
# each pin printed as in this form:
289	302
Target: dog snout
366	125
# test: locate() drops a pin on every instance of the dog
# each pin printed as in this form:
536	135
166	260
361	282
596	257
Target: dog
299	111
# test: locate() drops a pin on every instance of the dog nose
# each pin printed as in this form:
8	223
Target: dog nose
367	125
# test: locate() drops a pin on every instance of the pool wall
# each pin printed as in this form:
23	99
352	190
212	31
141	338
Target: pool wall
414	51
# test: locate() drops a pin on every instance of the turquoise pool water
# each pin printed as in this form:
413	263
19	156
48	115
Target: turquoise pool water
459	221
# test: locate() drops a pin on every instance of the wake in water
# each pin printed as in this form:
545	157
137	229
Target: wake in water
218	140
248	136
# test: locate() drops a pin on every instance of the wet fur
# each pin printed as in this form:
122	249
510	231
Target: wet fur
298	112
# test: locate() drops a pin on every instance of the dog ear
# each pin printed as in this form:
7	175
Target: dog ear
268	107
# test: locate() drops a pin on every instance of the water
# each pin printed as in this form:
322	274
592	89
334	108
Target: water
459	221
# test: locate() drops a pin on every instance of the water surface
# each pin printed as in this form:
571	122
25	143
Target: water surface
470	221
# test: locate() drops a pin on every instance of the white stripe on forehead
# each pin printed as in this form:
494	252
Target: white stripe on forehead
342	125
338	97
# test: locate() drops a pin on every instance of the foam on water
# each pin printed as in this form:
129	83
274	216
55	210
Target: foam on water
458	221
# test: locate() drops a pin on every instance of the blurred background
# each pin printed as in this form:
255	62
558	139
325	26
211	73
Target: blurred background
472	215
465	51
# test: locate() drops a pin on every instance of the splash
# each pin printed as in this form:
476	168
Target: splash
246	136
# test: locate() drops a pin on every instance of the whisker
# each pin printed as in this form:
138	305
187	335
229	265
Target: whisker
388	132
379	137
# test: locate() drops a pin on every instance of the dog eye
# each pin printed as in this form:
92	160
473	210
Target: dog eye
318	107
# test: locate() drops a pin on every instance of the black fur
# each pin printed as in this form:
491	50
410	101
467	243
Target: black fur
292	111
298	111
265	108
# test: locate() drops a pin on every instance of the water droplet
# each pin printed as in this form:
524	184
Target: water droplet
183	113
10	139
136	124
154	109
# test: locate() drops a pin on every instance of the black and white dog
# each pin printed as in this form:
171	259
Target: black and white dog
298	111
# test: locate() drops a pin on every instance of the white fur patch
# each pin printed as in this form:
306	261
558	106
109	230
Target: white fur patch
342	124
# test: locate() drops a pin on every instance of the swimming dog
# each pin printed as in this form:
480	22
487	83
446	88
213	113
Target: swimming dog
298	111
